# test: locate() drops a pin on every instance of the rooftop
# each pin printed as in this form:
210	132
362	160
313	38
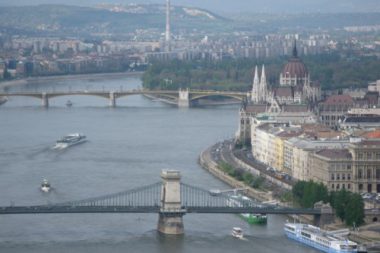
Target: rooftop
335	153
338	99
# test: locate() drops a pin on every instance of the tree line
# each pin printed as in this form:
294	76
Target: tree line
349	207
332	71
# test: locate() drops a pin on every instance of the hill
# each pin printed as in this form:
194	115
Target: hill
103	19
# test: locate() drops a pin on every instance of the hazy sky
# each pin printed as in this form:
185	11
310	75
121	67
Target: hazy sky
236	5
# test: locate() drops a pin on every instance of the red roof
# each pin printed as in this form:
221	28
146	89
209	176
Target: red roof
339	99
295	68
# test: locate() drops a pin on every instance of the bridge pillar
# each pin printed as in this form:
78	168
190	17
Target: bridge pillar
170	217
45	100
183	98
112	99
327	214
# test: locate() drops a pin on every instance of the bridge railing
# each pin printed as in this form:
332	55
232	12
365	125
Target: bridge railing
142	196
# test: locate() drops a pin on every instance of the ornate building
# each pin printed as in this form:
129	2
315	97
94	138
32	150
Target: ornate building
295	86
293	100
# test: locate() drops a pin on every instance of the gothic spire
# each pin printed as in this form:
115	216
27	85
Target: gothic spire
255	86
263	80
256	77
263	85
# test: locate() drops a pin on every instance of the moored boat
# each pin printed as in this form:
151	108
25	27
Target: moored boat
69	103
251	218
254	218
69	140
326	241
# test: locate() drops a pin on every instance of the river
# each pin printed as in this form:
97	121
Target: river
128	147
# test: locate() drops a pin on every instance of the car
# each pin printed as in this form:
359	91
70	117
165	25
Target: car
366	195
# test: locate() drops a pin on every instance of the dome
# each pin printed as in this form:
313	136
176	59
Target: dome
295	67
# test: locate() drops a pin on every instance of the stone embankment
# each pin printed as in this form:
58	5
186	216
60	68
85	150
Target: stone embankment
206	161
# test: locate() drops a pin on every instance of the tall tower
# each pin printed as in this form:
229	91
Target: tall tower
167	31
263	86
255	96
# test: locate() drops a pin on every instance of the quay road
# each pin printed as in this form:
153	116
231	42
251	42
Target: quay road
244	161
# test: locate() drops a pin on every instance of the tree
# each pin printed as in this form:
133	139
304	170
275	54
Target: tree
308	193
298	190
354	210
339	203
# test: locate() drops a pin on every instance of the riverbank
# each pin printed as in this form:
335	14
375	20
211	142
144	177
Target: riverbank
207	162
48	79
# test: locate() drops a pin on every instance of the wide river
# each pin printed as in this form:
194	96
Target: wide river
128	147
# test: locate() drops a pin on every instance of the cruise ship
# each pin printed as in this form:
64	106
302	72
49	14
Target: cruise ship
69	140
326	241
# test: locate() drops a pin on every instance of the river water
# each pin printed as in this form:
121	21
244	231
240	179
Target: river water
128	147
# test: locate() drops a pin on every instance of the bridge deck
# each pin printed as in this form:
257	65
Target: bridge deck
149	209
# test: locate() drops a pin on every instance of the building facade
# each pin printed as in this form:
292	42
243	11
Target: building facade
356	168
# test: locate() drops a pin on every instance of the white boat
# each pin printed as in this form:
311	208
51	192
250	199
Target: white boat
45	186
69	140
3	100
326	241
237	232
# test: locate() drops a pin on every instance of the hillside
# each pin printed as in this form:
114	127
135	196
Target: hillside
249	6
103	19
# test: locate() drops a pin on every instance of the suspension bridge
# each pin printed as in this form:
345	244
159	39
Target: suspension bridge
171	199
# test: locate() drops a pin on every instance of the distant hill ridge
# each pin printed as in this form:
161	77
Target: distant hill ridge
224	6
102	18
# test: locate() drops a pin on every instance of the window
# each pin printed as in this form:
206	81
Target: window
368	173
360	156
369	155
377	155
343	176
348	176
343	186
332	186
338	176
332	176
348	186
360	187
360	173
349	167
377	173
337	186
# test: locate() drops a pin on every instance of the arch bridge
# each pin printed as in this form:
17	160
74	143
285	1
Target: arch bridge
171	199
182	98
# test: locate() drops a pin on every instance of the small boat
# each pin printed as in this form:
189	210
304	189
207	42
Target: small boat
69	140
45	186
69	103
237	232
3	100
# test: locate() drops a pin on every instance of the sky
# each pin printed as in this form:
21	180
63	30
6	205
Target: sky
226	6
